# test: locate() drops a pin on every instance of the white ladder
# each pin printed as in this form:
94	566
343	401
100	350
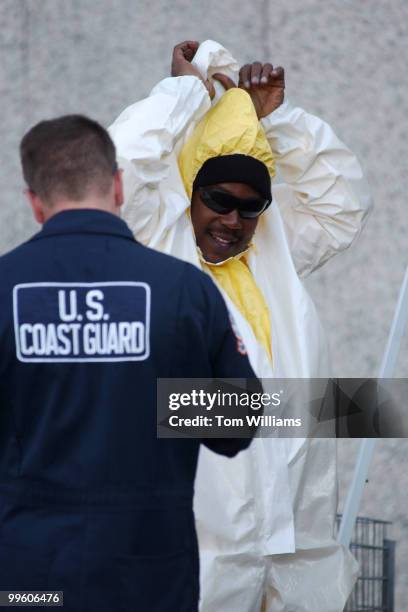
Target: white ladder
365	454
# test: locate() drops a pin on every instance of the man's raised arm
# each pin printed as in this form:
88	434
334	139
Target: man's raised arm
145	134
322	196
321	191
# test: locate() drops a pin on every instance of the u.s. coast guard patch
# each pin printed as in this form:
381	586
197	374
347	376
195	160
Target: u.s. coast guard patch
82	321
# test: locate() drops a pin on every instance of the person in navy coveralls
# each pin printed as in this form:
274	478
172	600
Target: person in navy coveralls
91	502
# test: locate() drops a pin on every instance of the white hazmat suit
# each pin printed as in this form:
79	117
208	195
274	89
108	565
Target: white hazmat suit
265	519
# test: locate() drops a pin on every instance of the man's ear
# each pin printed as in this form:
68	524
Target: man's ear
36	205
118	188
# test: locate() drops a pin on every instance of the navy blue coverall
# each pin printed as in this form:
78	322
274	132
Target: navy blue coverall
91	502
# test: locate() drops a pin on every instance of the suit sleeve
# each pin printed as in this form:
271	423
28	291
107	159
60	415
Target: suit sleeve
145	135
323	197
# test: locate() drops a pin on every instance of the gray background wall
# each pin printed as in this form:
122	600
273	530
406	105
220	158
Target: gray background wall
345	61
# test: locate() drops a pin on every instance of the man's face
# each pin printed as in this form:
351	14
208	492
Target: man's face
222	236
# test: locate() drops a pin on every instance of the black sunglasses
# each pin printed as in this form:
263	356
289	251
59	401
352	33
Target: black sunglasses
223	202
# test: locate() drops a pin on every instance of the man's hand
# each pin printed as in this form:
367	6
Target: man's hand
264	83
181	65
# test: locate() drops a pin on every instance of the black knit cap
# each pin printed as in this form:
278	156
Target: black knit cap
235	168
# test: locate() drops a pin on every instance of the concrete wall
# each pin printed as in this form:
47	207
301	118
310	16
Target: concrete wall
345	61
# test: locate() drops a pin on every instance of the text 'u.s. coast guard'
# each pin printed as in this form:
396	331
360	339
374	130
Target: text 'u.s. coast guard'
82	321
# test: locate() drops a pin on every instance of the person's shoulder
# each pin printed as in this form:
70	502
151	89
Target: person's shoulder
201	287
17	255
197	289
192	276
13	267
197	276
165	261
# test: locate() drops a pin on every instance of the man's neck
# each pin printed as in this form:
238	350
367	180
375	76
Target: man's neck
88	203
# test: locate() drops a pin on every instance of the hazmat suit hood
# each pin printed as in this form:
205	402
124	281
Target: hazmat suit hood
230	127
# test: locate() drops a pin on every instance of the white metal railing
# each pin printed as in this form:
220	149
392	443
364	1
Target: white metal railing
365	454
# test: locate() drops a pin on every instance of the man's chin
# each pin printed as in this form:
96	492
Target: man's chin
215	253
214	257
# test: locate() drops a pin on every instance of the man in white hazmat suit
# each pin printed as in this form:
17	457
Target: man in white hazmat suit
266	523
